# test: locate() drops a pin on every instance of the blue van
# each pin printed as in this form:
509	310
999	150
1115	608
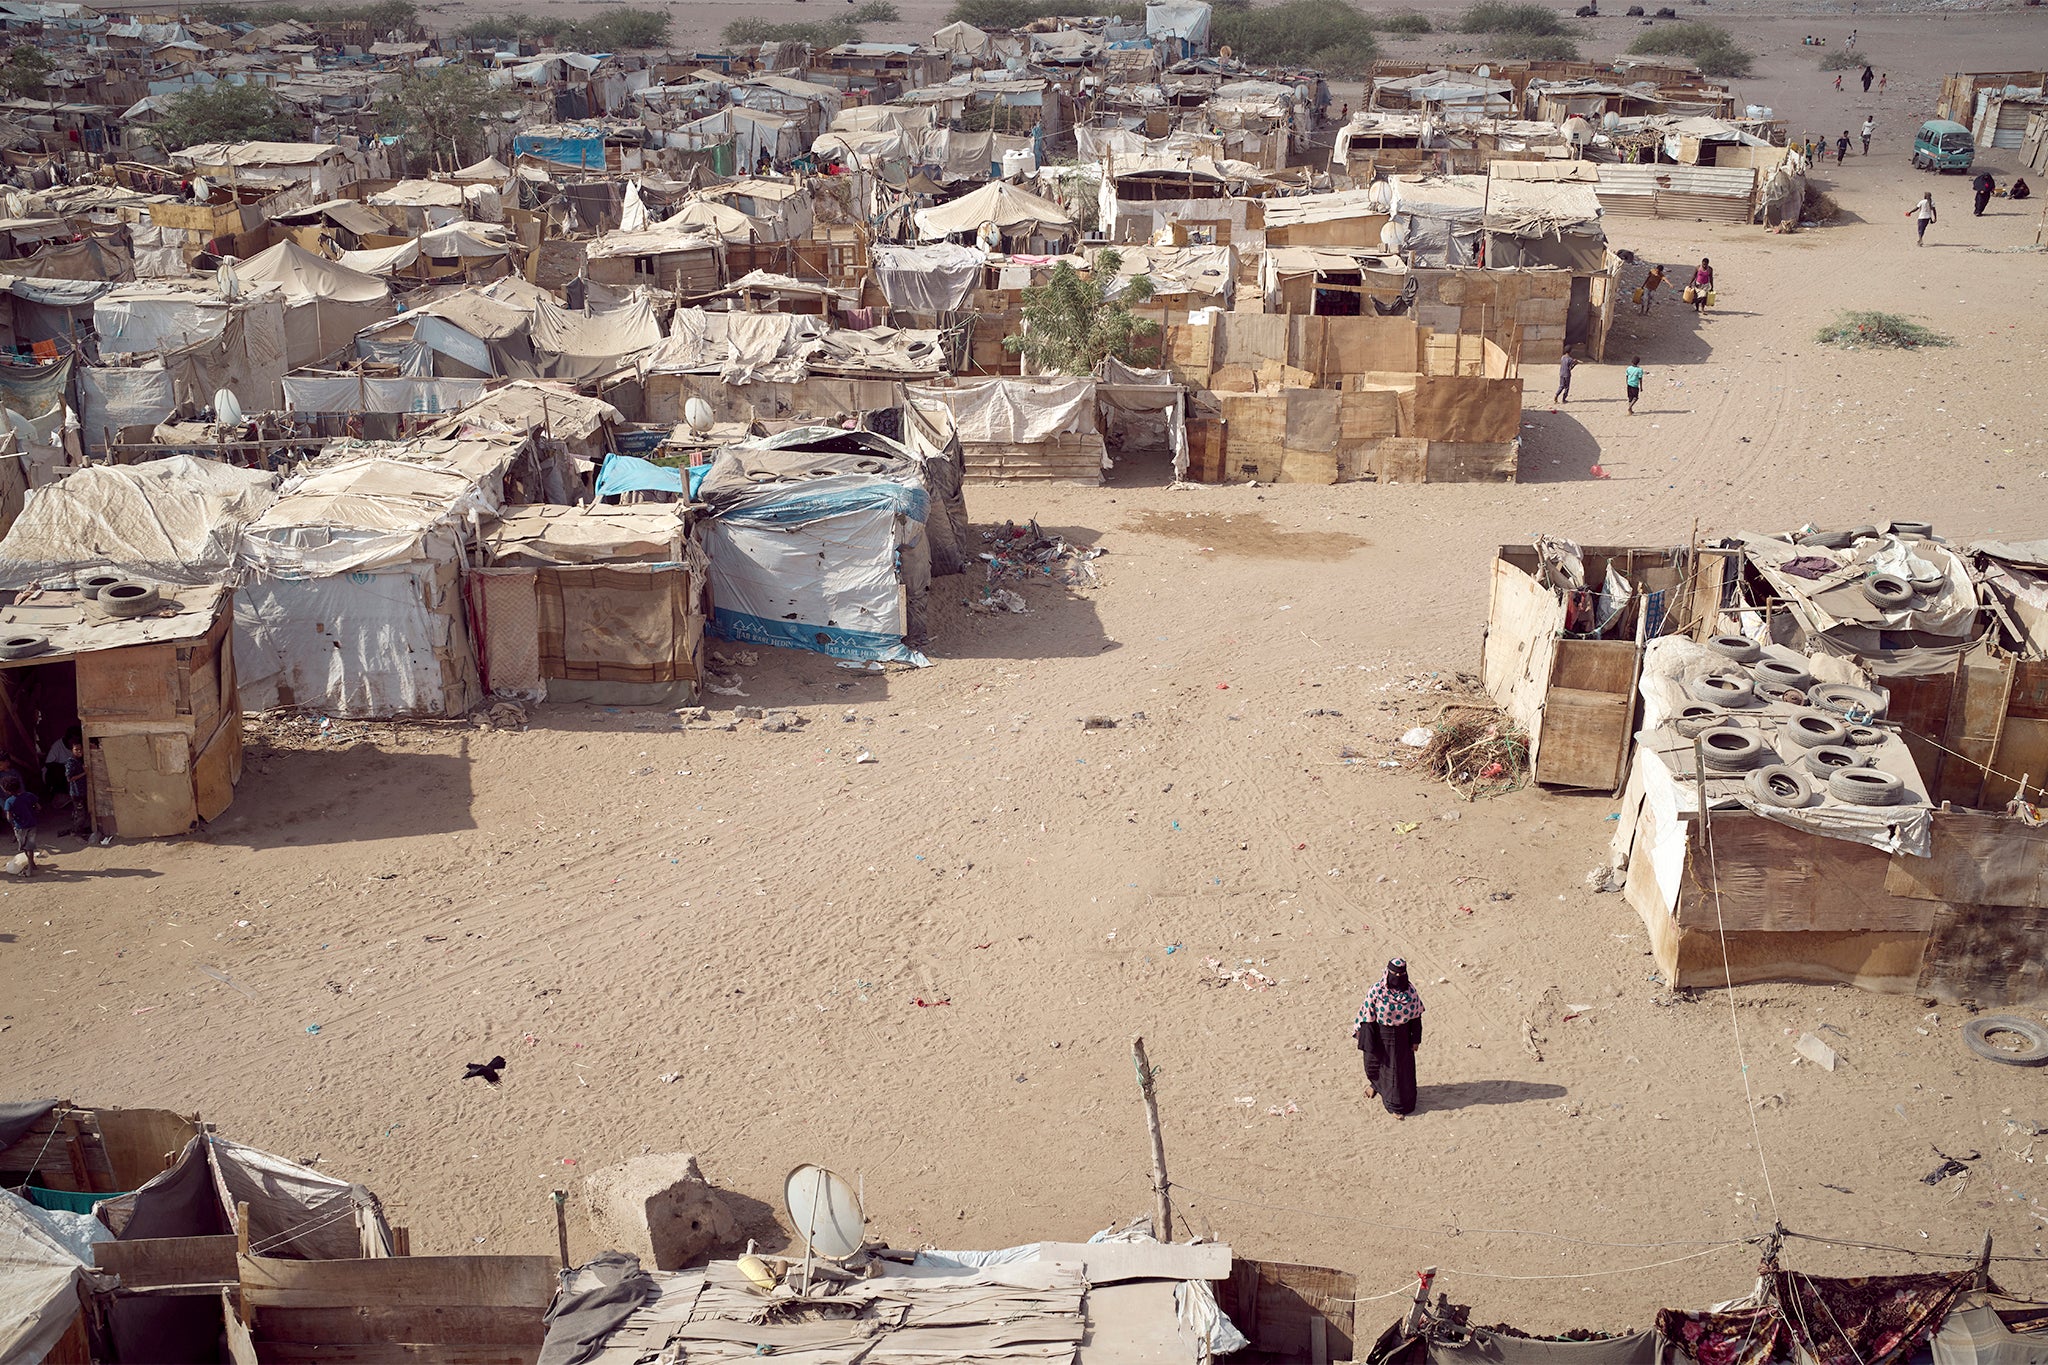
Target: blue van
1943	146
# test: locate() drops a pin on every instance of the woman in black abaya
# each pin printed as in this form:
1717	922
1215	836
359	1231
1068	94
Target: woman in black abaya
1389	1030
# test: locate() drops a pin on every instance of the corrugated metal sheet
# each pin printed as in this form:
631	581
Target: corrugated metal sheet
1720	194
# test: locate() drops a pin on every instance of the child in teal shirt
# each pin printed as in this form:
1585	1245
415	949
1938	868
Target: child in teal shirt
1633	377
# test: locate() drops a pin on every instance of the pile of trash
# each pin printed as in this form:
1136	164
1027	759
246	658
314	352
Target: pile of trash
1477	750
1025	553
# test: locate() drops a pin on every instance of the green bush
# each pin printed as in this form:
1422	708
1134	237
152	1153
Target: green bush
1531	47
613	31
498	28
1405	24
877	12
1890	330
1710	47
1532	21
1329	35
224	113
1847	59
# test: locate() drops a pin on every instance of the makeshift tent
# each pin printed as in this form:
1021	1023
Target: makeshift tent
295	1212
43	1284
817	541
174	520
461	242
582	424
595	604
721	222
1438	220
1536	223
1015	213
1019	428
326	304
962	39
932	279
352	605
489	171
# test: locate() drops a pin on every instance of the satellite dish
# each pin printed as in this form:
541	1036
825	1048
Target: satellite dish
697	413
1484	73
825	1211
227	409
1610	120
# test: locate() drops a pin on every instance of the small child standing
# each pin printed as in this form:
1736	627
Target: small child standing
75	780
1633	377
24	812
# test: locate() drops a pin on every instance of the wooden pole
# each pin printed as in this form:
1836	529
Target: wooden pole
1412	1324
1162	1206
1983	1280
561	1198
248	1311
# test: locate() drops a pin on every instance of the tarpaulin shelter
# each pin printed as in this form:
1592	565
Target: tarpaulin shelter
962	39
1180	26
175	520
930	279
326	303
197	344
44	1286
51	310
575	344
453	246
465	334
295	1213
1038	428
682	257
779	210
817	540
581	147
1017	215
352	603
584	425
594	604
1439	220
1532	222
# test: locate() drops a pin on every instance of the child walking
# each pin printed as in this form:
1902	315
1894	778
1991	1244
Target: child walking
1633	376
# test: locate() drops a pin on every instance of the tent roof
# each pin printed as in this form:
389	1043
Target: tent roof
38	1294
998	202
304	276
490	168
419	194
175	519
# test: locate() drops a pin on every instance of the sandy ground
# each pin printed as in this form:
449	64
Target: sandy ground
611	902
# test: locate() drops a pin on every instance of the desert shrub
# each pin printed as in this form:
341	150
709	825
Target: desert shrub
1844	59
1892	331
877	12
1002	14
741	32
1709	46
1531	47
1405	24
1329	35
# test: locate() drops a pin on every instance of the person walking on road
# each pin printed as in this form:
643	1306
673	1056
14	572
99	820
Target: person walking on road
1565	365
1842	147
1984	185
1702	285
1869	127
1389	1031
1632	378
1838	81
1923	215
1882	78
1868	77
1651	284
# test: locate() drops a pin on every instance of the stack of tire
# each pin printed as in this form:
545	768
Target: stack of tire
1830	729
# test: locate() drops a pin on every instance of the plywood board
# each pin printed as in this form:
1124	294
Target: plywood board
1784	880
1403	459
1468	408
147	797
1473	462
138	682
376	1323
1273	1303
1585	738
142	1143
399	1282
154	1261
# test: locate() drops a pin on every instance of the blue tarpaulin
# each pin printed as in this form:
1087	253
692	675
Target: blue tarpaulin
631	474
585	151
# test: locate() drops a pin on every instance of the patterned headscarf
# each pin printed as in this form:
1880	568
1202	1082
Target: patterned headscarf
1390	1001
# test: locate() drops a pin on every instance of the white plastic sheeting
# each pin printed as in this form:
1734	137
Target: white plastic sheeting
380	654
365	393
175	520
932	279
1012	411
39	1284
